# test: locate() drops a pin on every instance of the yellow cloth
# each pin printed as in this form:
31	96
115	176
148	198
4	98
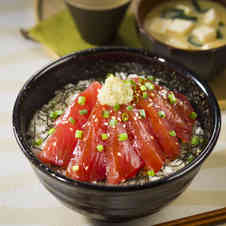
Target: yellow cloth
61	36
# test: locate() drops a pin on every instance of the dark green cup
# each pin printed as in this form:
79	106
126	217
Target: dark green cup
97	26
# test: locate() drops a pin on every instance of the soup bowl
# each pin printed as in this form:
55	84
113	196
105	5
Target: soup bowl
206	63
114	202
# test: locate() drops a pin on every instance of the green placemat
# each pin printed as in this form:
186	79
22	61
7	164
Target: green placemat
60	34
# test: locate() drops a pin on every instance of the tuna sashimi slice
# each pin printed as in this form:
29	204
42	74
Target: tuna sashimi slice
60	145
176	114
146	144
122	161
162	130
88	163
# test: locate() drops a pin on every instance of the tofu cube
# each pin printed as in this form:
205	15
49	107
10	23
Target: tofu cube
159	25
180	27
204	33
186	9
210	17
177	43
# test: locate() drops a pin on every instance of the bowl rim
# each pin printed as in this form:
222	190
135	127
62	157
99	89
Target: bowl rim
215	114
150	37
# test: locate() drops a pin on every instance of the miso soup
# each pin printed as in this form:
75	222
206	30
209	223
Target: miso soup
188	24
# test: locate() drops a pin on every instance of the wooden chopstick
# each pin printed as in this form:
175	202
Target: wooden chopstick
208	218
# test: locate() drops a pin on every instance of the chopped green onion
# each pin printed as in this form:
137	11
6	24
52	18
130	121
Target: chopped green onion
132	82
130	108
186	17
172	133
197	7
116	107
75	168
172	98
109	74
198	150
190	158
142	113
221	24
140	80
193	42
83	112
126	82
51	131
171	13
149	85
104	136
174	13
151	173
106	114
100	147
78	134
125	117
219	34
81	100
162	114
151	78
123	136
195	140
145	95
143	88
193	115
55	114
71	120
113	122
38	142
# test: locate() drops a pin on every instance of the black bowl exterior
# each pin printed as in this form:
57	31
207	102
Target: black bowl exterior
113	205
98	27
105	202
206	63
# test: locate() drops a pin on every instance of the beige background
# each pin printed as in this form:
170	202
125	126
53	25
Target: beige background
23	201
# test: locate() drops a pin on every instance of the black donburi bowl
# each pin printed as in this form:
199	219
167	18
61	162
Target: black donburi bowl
105	202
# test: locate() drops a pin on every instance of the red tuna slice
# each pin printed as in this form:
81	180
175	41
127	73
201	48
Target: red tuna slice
184	108
88	163
161	129
122	161
176	114
73	111
56	149
60	145
145	142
